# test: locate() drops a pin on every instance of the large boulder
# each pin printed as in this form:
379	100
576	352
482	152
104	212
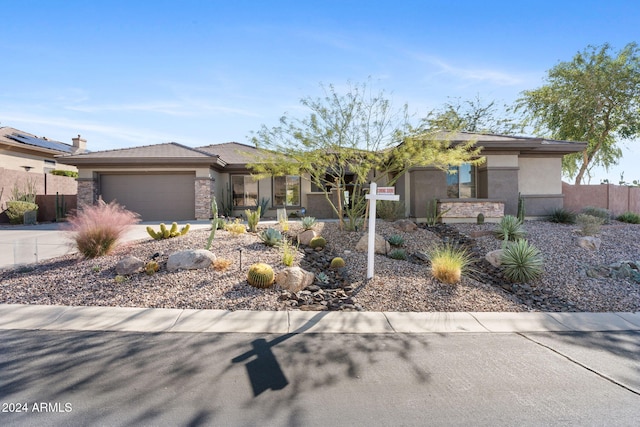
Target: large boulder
381	245
405	225
494	257
304	238
129	265
191	259
294	279
589	242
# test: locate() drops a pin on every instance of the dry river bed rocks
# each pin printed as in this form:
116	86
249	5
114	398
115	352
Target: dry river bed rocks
568	283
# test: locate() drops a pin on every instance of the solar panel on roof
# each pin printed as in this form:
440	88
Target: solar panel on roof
42	143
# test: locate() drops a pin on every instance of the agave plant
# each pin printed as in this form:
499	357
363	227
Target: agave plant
521	262
510	228
271	236
308	222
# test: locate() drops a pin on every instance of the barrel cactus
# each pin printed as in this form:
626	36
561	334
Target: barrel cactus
480	218
318	242
337	262
260	275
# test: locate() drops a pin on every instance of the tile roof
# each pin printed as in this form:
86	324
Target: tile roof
17	137
157	151
232	152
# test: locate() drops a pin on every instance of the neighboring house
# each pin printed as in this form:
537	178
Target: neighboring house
26	160
174	182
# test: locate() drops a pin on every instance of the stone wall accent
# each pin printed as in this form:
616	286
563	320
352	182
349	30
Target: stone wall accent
205	190
87	191
470	208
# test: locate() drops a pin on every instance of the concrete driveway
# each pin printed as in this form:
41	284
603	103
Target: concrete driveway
28	244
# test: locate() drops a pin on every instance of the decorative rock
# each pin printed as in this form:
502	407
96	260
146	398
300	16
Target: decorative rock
294	279
405	225
129	265
305	237
589	242
191	259
494	257
381	245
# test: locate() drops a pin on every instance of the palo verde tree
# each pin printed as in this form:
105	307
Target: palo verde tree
594	98
347	141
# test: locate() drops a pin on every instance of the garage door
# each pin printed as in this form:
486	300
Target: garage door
156	197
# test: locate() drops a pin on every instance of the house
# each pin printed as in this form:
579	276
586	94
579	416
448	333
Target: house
171	181
26	160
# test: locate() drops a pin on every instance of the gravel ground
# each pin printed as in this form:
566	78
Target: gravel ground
397	285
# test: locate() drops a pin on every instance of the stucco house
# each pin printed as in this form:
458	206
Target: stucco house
174	182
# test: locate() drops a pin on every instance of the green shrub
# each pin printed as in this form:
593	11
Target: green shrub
308	222
16	210
396	240
235	228
605	214
509	228
253	218
521	262
589	225
449	263
398	254
271	237
318	242
260	275
629	217
562	216
96	230
390	210
71	174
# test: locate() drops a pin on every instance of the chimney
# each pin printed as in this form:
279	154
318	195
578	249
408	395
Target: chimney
79	144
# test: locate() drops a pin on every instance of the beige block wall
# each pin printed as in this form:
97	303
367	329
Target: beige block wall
14	160
501	161
538	175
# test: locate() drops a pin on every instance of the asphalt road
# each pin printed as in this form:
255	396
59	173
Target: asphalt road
187	379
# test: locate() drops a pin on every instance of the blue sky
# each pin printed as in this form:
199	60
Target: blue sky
126	73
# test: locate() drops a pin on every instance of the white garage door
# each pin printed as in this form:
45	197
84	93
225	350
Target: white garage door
156	197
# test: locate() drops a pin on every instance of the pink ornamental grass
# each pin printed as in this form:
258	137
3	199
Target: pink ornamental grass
98	229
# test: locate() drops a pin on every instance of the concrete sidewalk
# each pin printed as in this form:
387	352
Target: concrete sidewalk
63	318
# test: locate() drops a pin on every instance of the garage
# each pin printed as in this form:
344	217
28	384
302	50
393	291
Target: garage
156	197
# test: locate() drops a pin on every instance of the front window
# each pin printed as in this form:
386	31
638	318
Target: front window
286	190
461	182
245	190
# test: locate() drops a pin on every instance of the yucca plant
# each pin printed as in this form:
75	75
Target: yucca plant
271	236
308	222
521	262
509	228
562	216
449	262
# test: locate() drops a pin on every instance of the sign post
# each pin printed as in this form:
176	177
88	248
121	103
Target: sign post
375	194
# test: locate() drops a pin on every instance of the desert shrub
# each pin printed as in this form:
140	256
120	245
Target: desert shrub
629	217
288	254
318	242
221	264
235	228
271	237
97	229
605	214
398	254
562	216
509	228
449	262
26	193
390	210
396	240
260	275
16	210
521	262
308	222
589	225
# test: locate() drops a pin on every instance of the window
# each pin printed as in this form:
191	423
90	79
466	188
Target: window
245	190
286	190
461	182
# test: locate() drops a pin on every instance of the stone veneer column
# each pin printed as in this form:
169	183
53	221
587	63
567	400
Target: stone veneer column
205	189
87	191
